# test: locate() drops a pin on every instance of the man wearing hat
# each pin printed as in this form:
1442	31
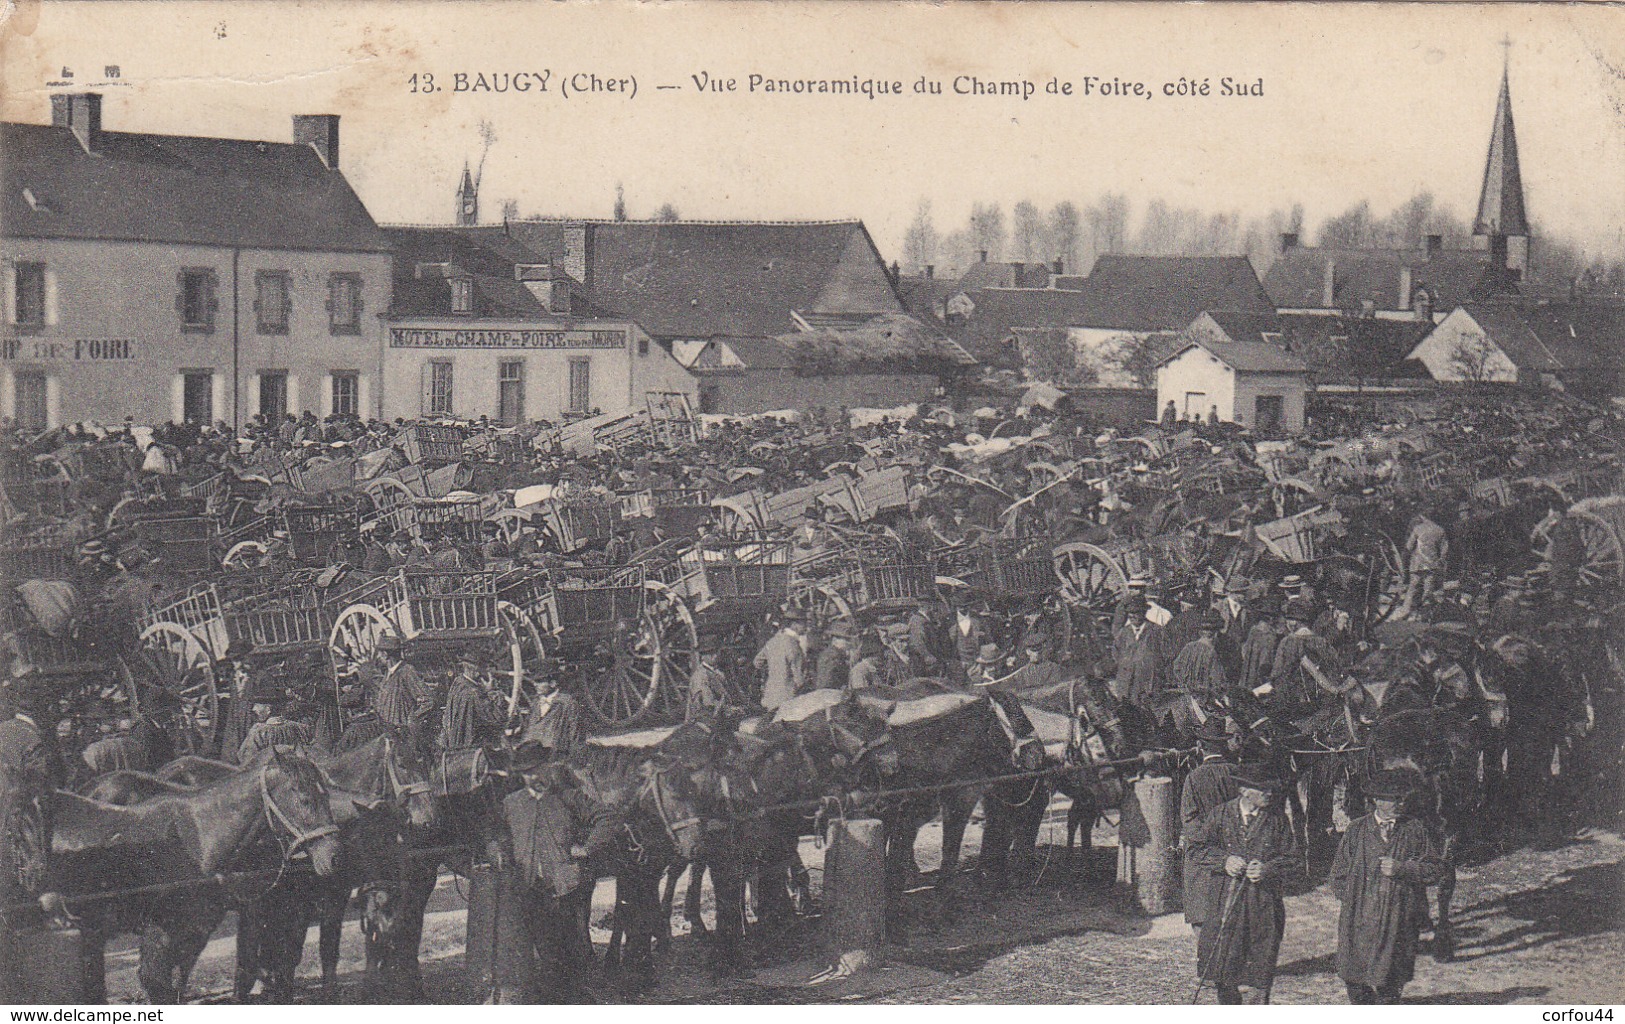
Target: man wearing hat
783	660
550	830
1383	867
969	636
1292	687
1426	551
474	714
708	685
834	665
1247	847
1209	785
1197	670
271	727
988	668
1237	620
1038	670
1133	601
404	699
927	648
240	709
1137	650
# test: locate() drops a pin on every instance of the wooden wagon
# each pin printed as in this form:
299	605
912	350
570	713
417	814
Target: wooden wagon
1583	550
1016	578
80	665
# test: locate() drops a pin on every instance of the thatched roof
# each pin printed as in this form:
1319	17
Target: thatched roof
887	344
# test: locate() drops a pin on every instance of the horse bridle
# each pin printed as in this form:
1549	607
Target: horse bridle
652	786
402	791
837	732
275	816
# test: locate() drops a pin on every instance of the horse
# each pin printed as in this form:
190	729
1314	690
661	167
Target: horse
182	835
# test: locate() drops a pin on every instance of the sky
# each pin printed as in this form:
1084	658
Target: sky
1361	101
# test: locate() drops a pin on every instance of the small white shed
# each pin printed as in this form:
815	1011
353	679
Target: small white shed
1257	385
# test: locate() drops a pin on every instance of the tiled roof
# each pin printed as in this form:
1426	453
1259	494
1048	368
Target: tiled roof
1556	337
168	188
1333	346
888	344
1165	293
1005	275
700	279
1000	311
1297	278
1246	356
488	255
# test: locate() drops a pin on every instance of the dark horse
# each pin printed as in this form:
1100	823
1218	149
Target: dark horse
257	819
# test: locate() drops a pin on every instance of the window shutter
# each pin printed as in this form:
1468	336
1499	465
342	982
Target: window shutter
211	283
357	299
50	296
10	298
180	294
427	376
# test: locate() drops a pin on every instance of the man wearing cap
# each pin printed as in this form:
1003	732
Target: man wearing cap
1294	689
474	714
783	659
1247	847
927	650
1383	867
1197	670
708	685
550	830
834	665
1237	621
1209	785
271	728
404	699
1037	669
240	709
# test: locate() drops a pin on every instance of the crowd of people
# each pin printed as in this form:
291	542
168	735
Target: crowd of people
1262	664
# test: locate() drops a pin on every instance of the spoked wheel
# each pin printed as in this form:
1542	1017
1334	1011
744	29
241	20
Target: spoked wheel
528	654
823	607
183	673
1089	575
1386	580
354	639
1600	566
644	667
25	841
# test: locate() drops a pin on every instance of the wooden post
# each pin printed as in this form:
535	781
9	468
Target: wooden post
855	893
1148	844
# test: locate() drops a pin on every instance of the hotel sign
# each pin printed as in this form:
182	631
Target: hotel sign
67	350
414	337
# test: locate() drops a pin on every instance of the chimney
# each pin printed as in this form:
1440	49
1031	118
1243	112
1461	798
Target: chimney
1289	241
896	273
1404	288
1328	286
1432	244
577	256
983	254
320	132
930	271
82	112
1059	267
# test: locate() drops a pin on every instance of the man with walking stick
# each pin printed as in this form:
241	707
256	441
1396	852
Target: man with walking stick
1248	845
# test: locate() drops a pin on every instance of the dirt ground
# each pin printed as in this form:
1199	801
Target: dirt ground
1534	926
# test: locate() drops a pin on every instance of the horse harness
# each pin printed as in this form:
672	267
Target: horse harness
275	816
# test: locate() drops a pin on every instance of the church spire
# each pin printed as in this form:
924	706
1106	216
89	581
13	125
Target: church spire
1500	202
468	200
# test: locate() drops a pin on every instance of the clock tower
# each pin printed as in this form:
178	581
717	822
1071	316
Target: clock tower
468	201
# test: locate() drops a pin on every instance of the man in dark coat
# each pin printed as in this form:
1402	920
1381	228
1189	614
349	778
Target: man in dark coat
1383	867
834	664
1209	785
1236	612
1137	652
405	700
707	685
1248	847
474	715
550	830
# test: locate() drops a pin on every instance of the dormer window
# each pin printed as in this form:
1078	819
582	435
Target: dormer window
462	295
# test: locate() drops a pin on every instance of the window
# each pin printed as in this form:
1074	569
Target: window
580	385
274	395
30	307
1267	413
344	304
196	301
437	388
197	396
511	392
271	301
462	295
1196	404
32	405
346	393
643	346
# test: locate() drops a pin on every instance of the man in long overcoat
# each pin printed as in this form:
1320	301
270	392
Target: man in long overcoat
1137	651
1247	846
1209	785
1383	867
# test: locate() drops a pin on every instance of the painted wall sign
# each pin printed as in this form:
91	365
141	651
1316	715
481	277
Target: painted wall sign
67	350
415	337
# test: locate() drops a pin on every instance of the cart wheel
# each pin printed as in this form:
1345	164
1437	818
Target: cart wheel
1600	567
108	698
679	648
25	842
823	606
528	653
623	683
184	674
1386	580
354	639
1058	623
247	554
1090	576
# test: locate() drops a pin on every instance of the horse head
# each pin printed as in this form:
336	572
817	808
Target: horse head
860	738
670	796
409	785
296	807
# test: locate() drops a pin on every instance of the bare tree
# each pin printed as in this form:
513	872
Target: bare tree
1065	229
1351	229
667	212
921	239
1028	232
510	210
1472	358
987	229
488	136
620	202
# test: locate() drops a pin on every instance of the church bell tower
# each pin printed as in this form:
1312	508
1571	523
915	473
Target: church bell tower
468	201
1502	221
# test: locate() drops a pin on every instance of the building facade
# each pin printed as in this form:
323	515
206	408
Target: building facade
1255	385
187	279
